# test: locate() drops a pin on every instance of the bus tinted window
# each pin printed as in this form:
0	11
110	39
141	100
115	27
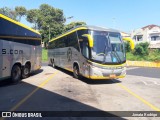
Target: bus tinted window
81	32
72	40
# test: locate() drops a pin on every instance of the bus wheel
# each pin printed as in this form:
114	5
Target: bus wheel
53	64
16	74
25	71
76	72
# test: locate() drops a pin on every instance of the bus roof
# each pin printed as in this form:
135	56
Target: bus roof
101	28
84	27
18	23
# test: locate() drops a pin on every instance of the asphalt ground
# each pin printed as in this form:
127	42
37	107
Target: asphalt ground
56	90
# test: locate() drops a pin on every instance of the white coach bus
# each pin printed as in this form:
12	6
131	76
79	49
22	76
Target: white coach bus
90	51
20	49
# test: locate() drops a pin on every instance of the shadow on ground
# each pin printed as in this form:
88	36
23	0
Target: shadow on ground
7	82
57	105
89	81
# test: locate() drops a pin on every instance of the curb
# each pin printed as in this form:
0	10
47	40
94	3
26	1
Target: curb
143	64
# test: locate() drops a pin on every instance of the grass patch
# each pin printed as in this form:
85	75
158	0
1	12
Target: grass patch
154	55
44	55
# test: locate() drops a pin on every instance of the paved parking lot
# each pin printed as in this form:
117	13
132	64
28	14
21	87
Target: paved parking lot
52	89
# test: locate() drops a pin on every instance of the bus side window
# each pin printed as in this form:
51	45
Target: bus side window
73	41
84	47
66	41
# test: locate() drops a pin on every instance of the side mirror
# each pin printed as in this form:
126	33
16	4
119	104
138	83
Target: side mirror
131	42
90	39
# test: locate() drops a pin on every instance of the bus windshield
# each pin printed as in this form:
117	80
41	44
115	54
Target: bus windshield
108	47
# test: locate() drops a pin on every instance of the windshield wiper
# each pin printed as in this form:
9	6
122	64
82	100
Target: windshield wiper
117	56
105	53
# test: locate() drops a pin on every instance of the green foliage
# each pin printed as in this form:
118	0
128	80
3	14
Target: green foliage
127	47
154	55
72	25
32	17
141	49
20	11
44	55
8	12
48	20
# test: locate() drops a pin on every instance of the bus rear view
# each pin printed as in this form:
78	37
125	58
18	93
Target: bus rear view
20	50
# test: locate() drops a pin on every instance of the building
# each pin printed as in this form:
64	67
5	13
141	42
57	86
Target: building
124	34
150	34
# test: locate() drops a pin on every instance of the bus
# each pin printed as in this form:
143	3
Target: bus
89	51
20	50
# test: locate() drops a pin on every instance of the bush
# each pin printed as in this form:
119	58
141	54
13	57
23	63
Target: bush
141	49
127	47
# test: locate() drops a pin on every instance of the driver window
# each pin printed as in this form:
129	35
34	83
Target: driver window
84	47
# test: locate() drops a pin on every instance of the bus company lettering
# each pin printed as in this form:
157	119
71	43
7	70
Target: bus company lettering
11	51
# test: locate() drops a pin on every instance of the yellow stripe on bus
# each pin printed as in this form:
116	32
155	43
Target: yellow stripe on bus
18	23
80	28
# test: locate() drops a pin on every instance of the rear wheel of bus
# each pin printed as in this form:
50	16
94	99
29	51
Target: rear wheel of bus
26	71
53	63
16	73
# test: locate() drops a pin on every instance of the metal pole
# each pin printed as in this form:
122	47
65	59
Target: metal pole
49	33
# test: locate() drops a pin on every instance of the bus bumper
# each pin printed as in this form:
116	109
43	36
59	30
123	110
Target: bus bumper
106	72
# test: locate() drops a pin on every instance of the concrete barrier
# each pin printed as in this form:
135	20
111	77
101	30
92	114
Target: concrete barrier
143	63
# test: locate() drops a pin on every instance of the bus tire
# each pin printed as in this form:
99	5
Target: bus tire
53	64
76	72
26	71
16	74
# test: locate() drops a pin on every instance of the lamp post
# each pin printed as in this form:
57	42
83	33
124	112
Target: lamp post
69	18
49	36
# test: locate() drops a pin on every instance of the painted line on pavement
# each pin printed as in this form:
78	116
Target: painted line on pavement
138	97
30	94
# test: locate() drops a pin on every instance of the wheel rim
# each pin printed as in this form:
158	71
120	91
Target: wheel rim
26	71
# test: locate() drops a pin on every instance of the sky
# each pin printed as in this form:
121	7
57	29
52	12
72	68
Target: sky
124	15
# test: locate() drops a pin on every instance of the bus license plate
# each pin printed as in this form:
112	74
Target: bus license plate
112	76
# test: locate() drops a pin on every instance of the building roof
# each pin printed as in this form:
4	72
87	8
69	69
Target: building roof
150	26
124	34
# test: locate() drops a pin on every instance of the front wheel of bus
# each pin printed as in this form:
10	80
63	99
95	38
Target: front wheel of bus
76	72
16	74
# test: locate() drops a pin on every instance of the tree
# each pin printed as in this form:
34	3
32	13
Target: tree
47	19
8	12
32	17
20	11
73	24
